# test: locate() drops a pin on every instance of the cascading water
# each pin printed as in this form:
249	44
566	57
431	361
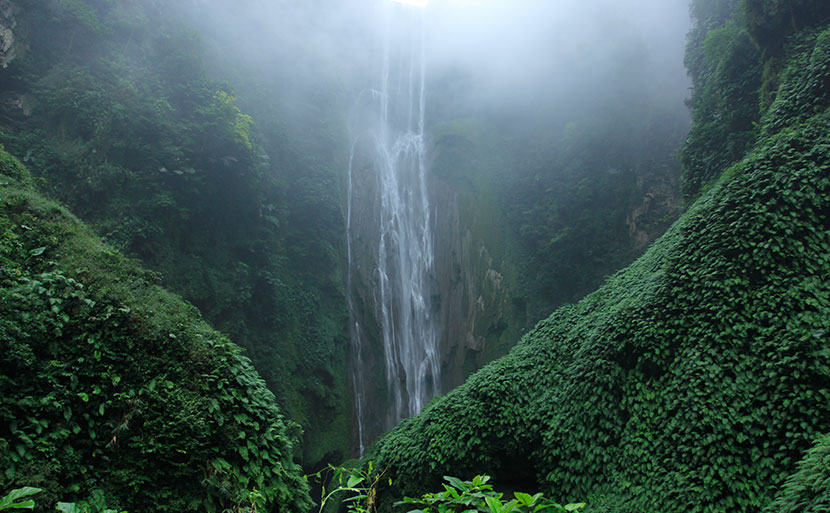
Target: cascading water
388	122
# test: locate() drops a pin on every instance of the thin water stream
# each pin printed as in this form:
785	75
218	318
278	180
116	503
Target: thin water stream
393	136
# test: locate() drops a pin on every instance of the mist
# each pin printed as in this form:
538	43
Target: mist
245	242
537	57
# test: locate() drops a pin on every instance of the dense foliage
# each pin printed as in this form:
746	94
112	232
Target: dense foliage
735	61
808	490
111	105
112	385
725	69
695	379
477	496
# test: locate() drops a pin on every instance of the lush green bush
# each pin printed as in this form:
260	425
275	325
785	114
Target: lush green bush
808	489
357	489
478	496
696	378
97	504
113	387
129	129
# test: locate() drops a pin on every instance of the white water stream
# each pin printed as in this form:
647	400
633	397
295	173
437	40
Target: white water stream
404	255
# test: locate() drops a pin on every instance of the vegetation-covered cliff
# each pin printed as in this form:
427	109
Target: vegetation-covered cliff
207	149
114	390
218	161
111	106
696	378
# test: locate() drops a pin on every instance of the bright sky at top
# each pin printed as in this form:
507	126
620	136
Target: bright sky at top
416	3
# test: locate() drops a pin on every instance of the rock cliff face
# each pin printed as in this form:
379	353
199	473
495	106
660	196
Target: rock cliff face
481	277
367	366
470	296
474	295
660	197
695	378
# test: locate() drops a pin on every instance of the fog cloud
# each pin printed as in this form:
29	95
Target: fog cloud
524	53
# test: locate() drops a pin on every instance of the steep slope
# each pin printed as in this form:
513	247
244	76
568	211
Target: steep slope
113	387
695	379
111	104
808	490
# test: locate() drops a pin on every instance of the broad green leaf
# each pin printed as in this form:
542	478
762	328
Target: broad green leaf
524	498
27	504
542	507
457	483
353	481
17	493
510	506
574	506
494	504
68	507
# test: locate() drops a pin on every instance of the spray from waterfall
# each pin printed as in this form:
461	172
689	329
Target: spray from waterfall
393	138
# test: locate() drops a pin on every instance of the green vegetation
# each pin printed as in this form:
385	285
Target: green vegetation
115	391
118	118
357	490
352	487
478	496
98	504
594	198
696	378
735	62
8	501
565	193
229	189
725	69
808	490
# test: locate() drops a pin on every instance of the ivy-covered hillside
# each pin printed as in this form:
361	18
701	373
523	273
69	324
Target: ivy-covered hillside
112	107
112	387
697	378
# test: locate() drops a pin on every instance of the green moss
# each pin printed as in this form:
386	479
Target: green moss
112	384
694	379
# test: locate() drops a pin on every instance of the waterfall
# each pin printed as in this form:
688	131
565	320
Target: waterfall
388	123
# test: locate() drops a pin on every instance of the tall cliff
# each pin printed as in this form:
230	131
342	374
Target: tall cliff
696	378
114	108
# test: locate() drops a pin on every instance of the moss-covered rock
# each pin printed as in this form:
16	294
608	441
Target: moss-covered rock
111	384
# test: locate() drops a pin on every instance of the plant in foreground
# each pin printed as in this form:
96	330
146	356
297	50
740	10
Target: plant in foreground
97	505
357	488
8	502
478	496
